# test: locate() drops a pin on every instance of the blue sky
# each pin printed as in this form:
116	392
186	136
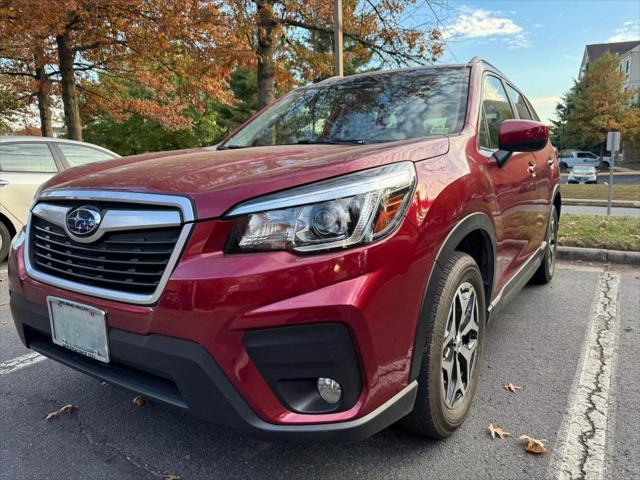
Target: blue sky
537	44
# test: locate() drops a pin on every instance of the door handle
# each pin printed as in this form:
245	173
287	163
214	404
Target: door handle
532	169
550	162
3	183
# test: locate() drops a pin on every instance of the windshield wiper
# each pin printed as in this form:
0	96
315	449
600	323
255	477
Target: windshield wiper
335	141
231	147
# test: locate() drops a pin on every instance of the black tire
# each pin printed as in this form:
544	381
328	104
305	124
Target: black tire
431	416
545	271
5	241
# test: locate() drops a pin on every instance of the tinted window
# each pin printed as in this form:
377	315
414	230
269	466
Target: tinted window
80	155
519	103
364	109
27	157
496	108
586	155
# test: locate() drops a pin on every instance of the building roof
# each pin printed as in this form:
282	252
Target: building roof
598	49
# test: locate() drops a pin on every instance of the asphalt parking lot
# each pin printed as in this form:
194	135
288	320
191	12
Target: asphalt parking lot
572	345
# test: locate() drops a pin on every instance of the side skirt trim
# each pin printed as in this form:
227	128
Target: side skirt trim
517	281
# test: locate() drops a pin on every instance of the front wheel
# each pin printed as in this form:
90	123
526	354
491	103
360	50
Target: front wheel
545	271
451	359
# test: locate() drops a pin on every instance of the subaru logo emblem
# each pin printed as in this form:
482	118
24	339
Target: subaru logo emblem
83	221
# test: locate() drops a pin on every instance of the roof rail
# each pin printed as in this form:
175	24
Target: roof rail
478	59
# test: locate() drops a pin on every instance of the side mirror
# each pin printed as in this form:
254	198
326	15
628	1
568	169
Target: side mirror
520	136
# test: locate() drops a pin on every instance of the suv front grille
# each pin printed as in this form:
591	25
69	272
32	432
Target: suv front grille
131	261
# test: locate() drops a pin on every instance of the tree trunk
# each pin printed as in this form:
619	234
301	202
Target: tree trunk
266	52
44	90
69	92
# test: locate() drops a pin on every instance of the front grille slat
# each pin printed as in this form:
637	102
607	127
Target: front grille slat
104	250
69	263
102	259
94	278
131	261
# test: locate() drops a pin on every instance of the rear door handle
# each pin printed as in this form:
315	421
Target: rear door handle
550	162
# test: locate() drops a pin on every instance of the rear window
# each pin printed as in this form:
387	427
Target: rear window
27	157
364	109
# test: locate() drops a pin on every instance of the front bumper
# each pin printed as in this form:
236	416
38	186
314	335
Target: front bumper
189	349
182	374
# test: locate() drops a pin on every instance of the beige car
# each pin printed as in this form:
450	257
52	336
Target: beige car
25	164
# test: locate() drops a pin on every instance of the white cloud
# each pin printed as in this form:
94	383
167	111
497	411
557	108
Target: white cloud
519	40
481	23
628	31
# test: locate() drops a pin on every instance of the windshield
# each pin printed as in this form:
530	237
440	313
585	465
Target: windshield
583	170
364	109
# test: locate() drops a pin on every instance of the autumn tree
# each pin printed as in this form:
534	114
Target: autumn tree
282	34
600	105
24	56
179	51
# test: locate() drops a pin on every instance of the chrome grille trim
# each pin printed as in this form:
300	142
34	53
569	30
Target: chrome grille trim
187	215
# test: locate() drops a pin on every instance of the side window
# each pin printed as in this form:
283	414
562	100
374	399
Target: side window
496	108
520	104
27	157
80	155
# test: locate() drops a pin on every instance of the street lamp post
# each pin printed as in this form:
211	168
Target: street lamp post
337	36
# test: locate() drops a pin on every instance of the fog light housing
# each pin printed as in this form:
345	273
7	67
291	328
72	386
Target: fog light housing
329	390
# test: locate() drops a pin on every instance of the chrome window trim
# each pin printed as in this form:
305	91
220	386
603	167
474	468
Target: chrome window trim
188	216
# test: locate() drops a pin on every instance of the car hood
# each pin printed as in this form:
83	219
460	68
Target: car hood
216	180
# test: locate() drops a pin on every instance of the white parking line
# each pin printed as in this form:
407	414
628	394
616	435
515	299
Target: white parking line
582	439
20	362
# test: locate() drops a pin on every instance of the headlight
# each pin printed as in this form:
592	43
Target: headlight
338	213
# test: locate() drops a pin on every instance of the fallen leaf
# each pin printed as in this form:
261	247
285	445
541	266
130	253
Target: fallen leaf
511	387
603	224
497	432
533	444
53	416
172	477
139	401
70	409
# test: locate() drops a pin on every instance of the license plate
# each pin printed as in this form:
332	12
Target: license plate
79	327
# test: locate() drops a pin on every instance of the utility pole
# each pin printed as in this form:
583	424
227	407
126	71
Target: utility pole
337	37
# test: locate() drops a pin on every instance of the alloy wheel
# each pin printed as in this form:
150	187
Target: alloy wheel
460	346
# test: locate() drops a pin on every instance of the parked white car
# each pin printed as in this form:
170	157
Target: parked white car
571	158
28	162
583	174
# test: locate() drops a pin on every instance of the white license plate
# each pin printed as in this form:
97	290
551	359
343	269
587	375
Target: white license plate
79	327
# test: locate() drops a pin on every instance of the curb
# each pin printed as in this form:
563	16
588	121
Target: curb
598	255
600	203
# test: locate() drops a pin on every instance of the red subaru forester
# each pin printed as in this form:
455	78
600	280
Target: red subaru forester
325	272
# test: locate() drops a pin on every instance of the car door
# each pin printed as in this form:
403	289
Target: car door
74	154
513	183
24	166
545	170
